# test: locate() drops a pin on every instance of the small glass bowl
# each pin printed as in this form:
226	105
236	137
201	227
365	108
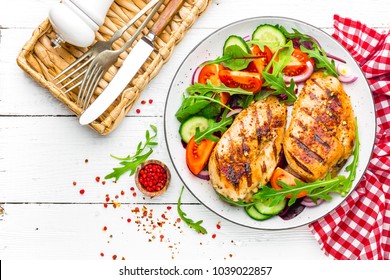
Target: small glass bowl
142	188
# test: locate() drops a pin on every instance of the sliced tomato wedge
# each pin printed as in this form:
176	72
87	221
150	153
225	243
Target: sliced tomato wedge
197	155
264	58
297	65
210	72
246	80
286	177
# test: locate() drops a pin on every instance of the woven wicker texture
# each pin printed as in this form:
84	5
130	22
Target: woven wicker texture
42	62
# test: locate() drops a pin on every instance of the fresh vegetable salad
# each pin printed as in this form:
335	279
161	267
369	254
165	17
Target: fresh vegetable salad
272	61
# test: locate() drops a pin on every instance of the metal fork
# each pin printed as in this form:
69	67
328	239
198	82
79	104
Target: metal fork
105	60
82	62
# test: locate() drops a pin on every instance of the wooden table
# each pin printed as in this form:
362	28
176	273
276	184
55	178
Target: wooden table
46	158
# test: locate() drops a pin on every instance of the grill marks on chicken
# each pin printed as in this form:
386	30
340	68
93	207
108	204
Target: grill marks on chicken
249	150
321	133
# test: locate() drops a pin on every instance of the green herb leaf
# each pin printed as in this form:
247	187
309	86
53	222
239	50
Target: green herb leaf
277	83
234	58
352	167
189	107
322	60
284	58
239	203
214	127
130	163
202	89
195	225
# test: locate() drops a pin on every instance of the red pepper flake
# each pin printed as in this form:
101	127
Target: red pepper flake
104	228
74	183
129	220
114	257
86	161
102	254
97	179
178	220
143	102
150	101
122	192
123	258
117	196
82	191
231	255
169	207
132	189
218	226
105	205
164	217
107	199
138	111
103	182
161	237
213	236
134	194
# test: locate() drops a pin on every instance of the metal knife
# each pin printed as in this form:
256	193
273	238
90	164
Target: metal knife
133	62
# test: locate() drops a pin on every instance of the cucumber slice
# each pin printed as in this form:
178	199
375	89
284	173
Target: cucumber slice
264	207
269	35
238	41
188	128
256	215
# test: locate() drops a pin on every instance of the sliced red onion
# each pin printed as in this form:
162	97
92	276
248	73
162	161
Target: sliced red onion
233	112
345	74
310	203
246	38
331	56
302	77
195	75
204	175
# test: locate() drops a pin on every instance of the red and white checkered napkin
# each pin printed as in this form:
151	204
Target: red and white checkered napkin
360	227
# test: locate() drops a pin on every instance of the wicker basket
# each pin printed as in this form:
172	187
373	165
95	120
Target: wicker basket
42	62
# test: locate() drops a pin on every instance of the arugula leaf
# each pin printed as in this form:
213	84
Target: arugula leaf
284	57
209	87
195	225
277	83
297	35
234	58
189	107
130	163
239	203
214	127
353	165
322	60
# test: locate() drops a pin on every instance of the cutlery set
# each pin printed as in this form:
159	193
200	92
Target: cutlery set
88	70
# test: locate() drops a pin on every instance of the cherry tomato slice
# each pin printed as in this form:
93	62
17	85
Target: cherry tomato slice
286	177
197	155
264	57
210	72
246	80
297	65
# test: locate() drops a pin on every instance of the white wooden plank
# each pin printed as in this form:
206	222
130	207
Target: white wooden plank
31	231
29	13
41	157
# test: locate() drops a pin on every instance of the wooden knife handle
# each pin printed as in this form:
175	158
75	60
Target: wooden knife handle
168	13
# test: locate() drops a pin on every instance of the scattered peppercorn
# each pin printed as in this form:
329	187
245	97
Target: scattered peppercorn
82	191
143	102
150	101
138	111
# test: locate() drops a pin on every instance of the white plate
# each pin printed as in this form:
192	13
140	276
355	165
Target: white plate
210	48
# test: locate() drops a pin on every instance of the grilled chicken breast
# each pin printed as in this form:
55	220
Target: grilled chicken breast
248	152
321	133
